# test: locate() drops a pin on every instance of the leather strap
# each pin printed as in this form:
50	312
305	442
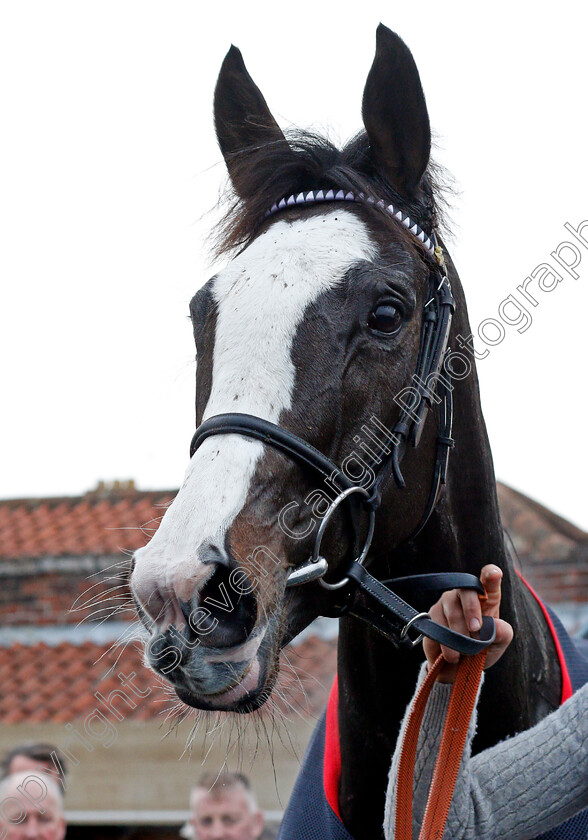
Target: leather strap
384	611
398	614
436	582
272	435
288	444
461	706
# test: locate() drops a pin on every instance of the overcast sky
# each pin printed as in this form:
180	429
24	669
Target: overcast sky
109	170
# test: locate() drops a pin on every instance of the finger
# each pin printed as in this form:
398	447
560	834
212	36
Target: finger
504	633
504	636
454	619
446	611
453	611
431	648
472	611
491	577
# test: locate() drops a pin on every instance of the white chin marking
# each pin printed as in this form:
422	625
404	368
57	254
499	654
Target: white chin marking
261	299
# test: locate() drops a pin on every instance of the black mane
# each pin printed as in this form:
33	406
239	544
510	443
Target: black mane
311	162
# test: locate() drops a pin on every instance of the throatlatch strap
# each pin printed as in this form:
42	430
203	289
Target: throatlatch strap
461	706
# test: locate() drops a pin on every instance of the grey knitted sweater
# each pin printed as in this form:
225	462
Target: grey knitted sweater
517	789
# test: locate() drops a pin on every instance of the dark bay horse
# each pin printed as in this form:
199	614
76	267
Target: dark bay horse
316	326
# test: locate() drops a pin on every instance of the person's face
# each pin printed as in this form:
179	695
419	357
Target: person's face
225	817
20	819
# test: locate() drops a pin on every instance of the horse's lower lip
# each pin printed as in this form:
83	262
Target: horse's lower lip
237	681
245	651
231	696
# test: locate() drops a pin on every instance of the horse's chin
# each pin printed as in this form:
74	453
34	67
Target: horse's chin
249	693
237	679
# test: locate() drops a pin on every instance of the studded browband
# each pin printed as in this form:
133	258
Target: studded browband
319	196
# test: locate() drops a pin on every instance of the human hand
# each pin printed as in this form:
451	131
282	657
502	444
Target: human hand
462	610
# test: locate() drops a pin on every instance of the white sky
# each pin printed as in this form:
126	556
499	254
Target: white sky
109	164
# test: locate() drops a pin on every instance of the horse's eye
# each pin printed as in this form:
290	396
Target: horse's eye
385	319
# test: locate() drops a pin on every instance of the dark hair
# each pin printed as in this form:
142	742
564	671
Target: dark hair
37	751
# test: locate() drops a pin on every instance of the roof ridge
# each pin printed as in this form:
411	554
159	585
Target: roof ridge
92	496
559	523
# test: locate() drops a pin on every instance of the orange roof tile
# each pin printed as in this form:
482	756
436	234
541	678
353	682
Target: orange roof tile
78	526
60	683
106	522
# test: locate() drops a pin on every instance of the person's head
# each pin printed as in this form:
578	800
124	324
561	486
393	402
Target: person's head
31	808
33	756
224	808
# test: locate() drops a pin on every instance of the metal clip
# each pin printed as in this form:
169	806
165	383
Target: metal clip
408	625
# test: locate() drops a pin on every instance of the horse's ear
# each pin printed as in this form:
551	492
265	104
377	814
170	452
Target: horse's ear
242	120
395	113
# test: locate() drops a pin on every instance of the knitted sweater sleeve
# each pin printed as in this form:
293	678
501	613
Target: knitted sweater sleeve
518	789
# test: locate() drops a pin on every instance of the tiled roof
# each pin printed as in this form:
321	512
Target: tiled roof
58	684
552	553
108	520
97	523
535	529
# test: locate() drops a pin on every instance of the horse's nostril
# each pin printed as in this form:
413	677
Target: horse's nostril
214	554
231	613
163	655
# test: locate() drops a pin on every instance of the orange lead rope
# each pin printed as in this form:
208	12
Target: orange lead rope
461	706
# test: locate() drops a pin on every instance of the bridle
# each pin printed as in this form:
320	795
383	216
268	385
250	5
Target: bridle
390	615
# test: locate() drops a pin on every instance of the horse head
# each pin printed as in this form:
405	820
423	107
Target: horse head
315	326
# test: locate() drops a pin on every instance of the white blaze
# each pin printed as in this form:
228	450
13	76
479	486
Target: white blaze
261	299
